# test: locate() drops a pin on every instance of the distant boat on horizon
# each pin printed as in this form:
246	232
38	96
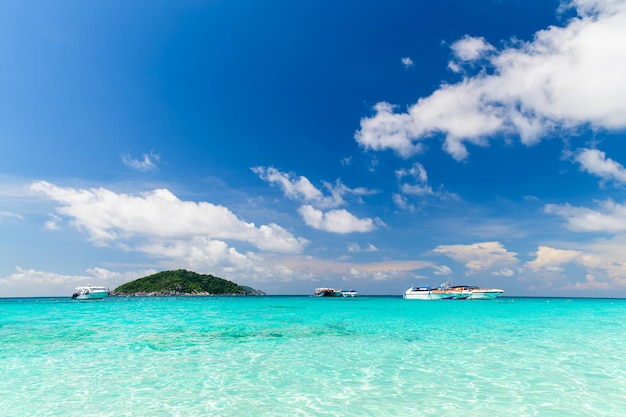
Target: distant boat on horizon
446	292
332	292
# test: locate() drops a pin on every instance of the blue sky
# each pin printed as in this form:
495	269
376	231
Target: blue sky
288	145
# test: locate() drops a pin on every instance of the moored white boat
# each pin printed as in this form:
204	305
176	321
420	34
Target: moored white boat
90	292
349	293
446	292
424	293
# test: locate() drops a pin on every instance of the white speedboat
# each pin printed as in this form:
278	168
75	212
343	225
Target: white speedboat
349	293
90	292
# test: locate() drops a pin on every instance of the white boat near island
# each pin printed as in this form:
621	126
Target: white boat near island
90	292
446	292
332	292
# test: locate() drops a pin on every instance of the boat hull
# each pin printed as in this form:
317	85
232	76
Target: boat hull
454	293
485	294
423	294
92	296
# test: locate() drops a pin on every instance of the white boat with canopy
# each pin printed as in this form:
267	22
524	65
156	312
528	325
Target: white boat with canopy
90	292
448	292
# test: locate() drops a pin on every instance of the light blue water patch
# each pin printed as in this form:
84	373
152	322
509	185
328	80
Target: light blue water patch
304	356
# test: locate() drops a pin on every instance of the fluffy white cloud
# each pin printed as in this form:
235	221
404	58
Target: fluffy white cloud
470	48
595	162
602	261
407	62
533	89
609	217
551	258
337	221
418	173
301	189
479	256
159	215
296	188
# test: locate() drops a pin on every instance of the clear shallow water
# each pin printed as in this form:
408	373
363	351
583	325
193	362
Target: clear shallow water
303	356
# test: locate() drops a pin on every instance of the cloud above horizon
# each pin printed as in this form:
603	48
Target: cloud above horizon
302	190
532	89
336	221
608	217
108	217
483	256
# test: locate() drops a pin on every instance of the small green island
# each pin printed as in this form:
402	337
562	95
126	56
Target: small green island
181	283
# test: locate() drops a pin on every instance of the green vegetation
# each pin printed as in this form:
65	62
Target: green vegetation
182	282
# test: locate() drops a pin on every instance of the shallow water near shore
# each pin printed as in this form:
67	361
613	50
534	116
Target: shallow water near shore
305	356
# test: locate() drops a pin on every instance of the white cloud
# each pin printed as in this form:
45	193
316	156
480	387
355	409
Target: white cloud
202	254
53	223
595	162
355	247
10	215
551	258
609	217
301	189
606	258
418	173
159	215
470	48
148	162
407	62
417	185
591	284
534	88
389	130
505	272
479	256
382	271
441	270
602	261
336	221
402	202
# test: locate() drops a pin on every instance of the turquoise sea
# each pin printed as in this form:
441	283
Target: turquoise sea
305	356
